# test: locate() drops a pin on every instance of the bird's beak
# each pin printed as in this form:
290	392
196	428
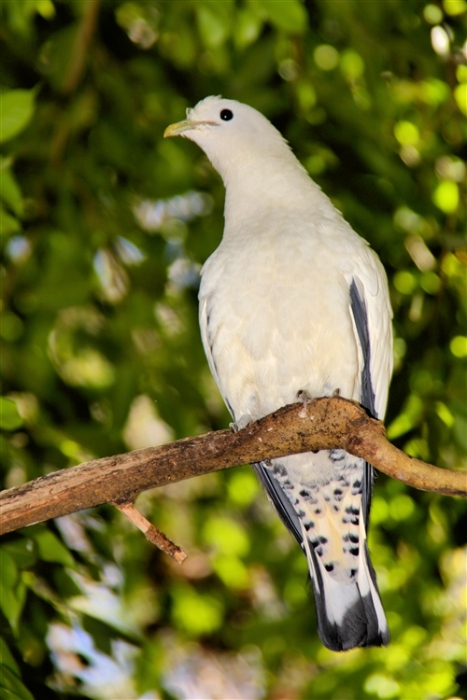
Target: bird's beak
179	128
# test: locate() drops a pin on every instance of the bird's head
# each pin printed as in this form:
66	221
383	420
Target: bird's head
232	134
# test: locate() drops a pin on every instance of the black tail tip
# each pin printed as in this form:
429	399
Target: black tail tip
349	635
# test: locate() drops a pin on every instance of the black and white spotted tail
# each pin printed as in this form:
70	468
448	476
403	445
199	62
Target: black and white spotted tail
328	517
349	609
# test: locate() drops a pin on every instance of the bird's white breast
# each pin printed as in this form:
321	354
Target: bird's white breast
274	303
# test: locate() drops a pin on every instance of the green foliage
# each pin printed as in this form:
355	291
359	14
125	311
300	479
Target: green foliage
10	684
17	111
104	226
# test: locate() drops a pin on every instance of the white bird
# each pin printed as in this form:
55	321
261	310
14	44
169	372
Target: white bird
293	300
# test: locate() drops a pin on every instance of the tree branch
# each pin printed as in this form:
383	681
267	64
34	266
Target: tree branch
327	423
150	532
80	48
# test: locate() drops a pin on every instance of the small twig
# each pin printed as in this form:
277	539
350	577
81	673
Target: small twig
76	65
150	532
80	49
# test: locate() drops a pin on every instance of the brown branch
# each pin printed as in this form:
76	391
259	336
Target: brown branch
326	423
80	48
150	532
74	73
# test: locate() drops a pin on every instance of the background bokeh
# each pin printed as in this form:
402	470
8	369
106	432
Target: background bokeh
104	228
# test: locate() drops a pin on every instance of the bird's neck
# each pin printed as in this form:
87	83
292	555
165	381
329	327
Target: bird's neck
256	190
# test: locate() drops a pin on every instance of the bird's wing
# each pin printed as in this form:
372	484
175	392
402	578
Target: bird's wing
208	343
371	312
279	499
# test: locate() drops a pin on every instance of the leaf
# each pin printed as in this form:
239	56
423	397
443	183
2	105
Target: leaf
196	614
10	571
51	549
289	15
8	694
11	687
213	28
227	536
12	591
7	657
8	223
9	416
22	552
247	28
446	196
460	95
10	192
17	108
60	55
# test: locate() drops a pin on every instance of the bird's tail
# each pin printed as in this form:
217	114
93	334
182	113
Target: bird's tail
349	610
329	522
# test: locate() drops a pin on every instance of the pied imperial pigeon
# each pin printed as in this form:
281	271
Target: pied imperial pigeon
294	302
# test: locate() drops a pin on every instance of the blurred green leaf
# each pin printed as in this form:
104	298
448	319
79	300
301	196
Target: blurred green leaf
10	418
10	575
12	591
11	686
56	56
10	192
288	15
446	197
226	536
460	95
22	552
352	64
17	109
243	487
213	26
458	346
455	7
406	420
51	549
247	27
7	658
231	571
21	15
8	223
194	613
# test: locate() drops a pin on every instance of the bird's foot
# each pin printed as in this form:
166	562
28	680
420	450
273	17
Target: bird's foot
336	392
243	422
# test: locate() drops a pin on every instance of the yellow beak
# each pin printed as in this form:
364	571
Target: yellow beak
179	128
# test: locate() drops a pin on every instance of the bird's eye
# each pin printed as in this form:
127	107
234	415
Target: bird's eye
226	115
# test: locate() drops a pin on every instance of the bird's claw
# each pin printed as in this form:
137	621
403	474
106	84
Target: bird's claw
303	396
243	422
